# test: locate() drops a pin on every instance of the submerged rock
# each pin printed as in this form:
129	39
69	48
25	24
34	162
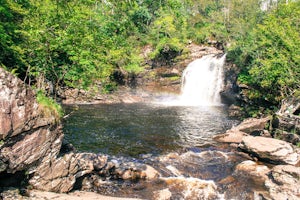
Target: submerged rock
164	194
191	188
271	150
129	171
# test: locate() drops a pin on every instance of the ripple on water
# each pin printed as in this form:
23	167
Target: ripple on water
175	140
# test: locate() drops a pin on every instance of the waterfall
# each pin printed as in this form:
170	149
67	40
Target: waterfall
202	81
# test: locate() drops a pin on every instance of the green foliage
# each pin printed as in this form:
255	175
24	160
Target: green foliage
270	56
167	49
48	106
80	44
11	14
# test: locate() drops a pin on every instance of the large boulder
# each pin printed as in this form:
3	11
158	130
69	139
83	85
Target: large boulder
250	126
271	150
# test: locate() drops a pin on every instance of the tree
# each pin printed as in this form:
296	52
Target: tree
11	15
270	56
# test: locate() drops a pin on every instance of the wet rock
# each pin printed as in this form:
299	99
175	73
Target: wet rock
149	173
191	188
250	169
130	171
227	180
271	150
11	193
284	182
231	136
212	165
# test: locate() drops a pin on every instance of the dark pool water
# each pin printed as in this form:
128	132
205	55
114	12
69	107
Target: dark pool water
137	129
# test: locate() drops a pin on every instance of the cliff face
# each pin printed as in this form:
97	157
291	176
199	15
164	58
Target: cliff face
30	143
26	136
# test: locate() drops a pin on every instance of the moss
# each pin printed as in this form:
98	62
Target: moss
1	142
174	78
48	106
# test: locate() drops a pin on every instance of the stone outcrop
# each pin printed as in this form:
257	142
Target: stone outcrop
59	175
284	182
27	135
271	150
286	123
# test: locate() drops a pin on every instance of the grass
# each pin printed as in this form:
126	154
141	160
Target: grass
49	107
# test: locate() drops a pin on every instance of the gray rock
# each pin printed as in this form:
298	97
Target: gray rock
287	118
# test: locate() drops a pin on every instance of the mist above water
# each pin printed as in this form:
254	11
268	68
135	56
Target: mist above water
201	83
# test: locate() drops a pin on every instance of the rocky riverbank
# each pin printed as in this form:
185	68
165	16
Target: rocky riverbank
260	139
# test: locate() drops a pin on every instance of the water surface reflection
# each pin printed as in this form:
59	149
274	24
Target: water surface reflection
135	129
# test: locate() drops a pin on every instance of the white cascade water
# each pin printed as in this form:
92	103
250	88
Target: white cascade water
202	81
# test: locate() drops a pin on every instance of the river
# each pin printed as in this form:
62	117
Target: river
172	134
